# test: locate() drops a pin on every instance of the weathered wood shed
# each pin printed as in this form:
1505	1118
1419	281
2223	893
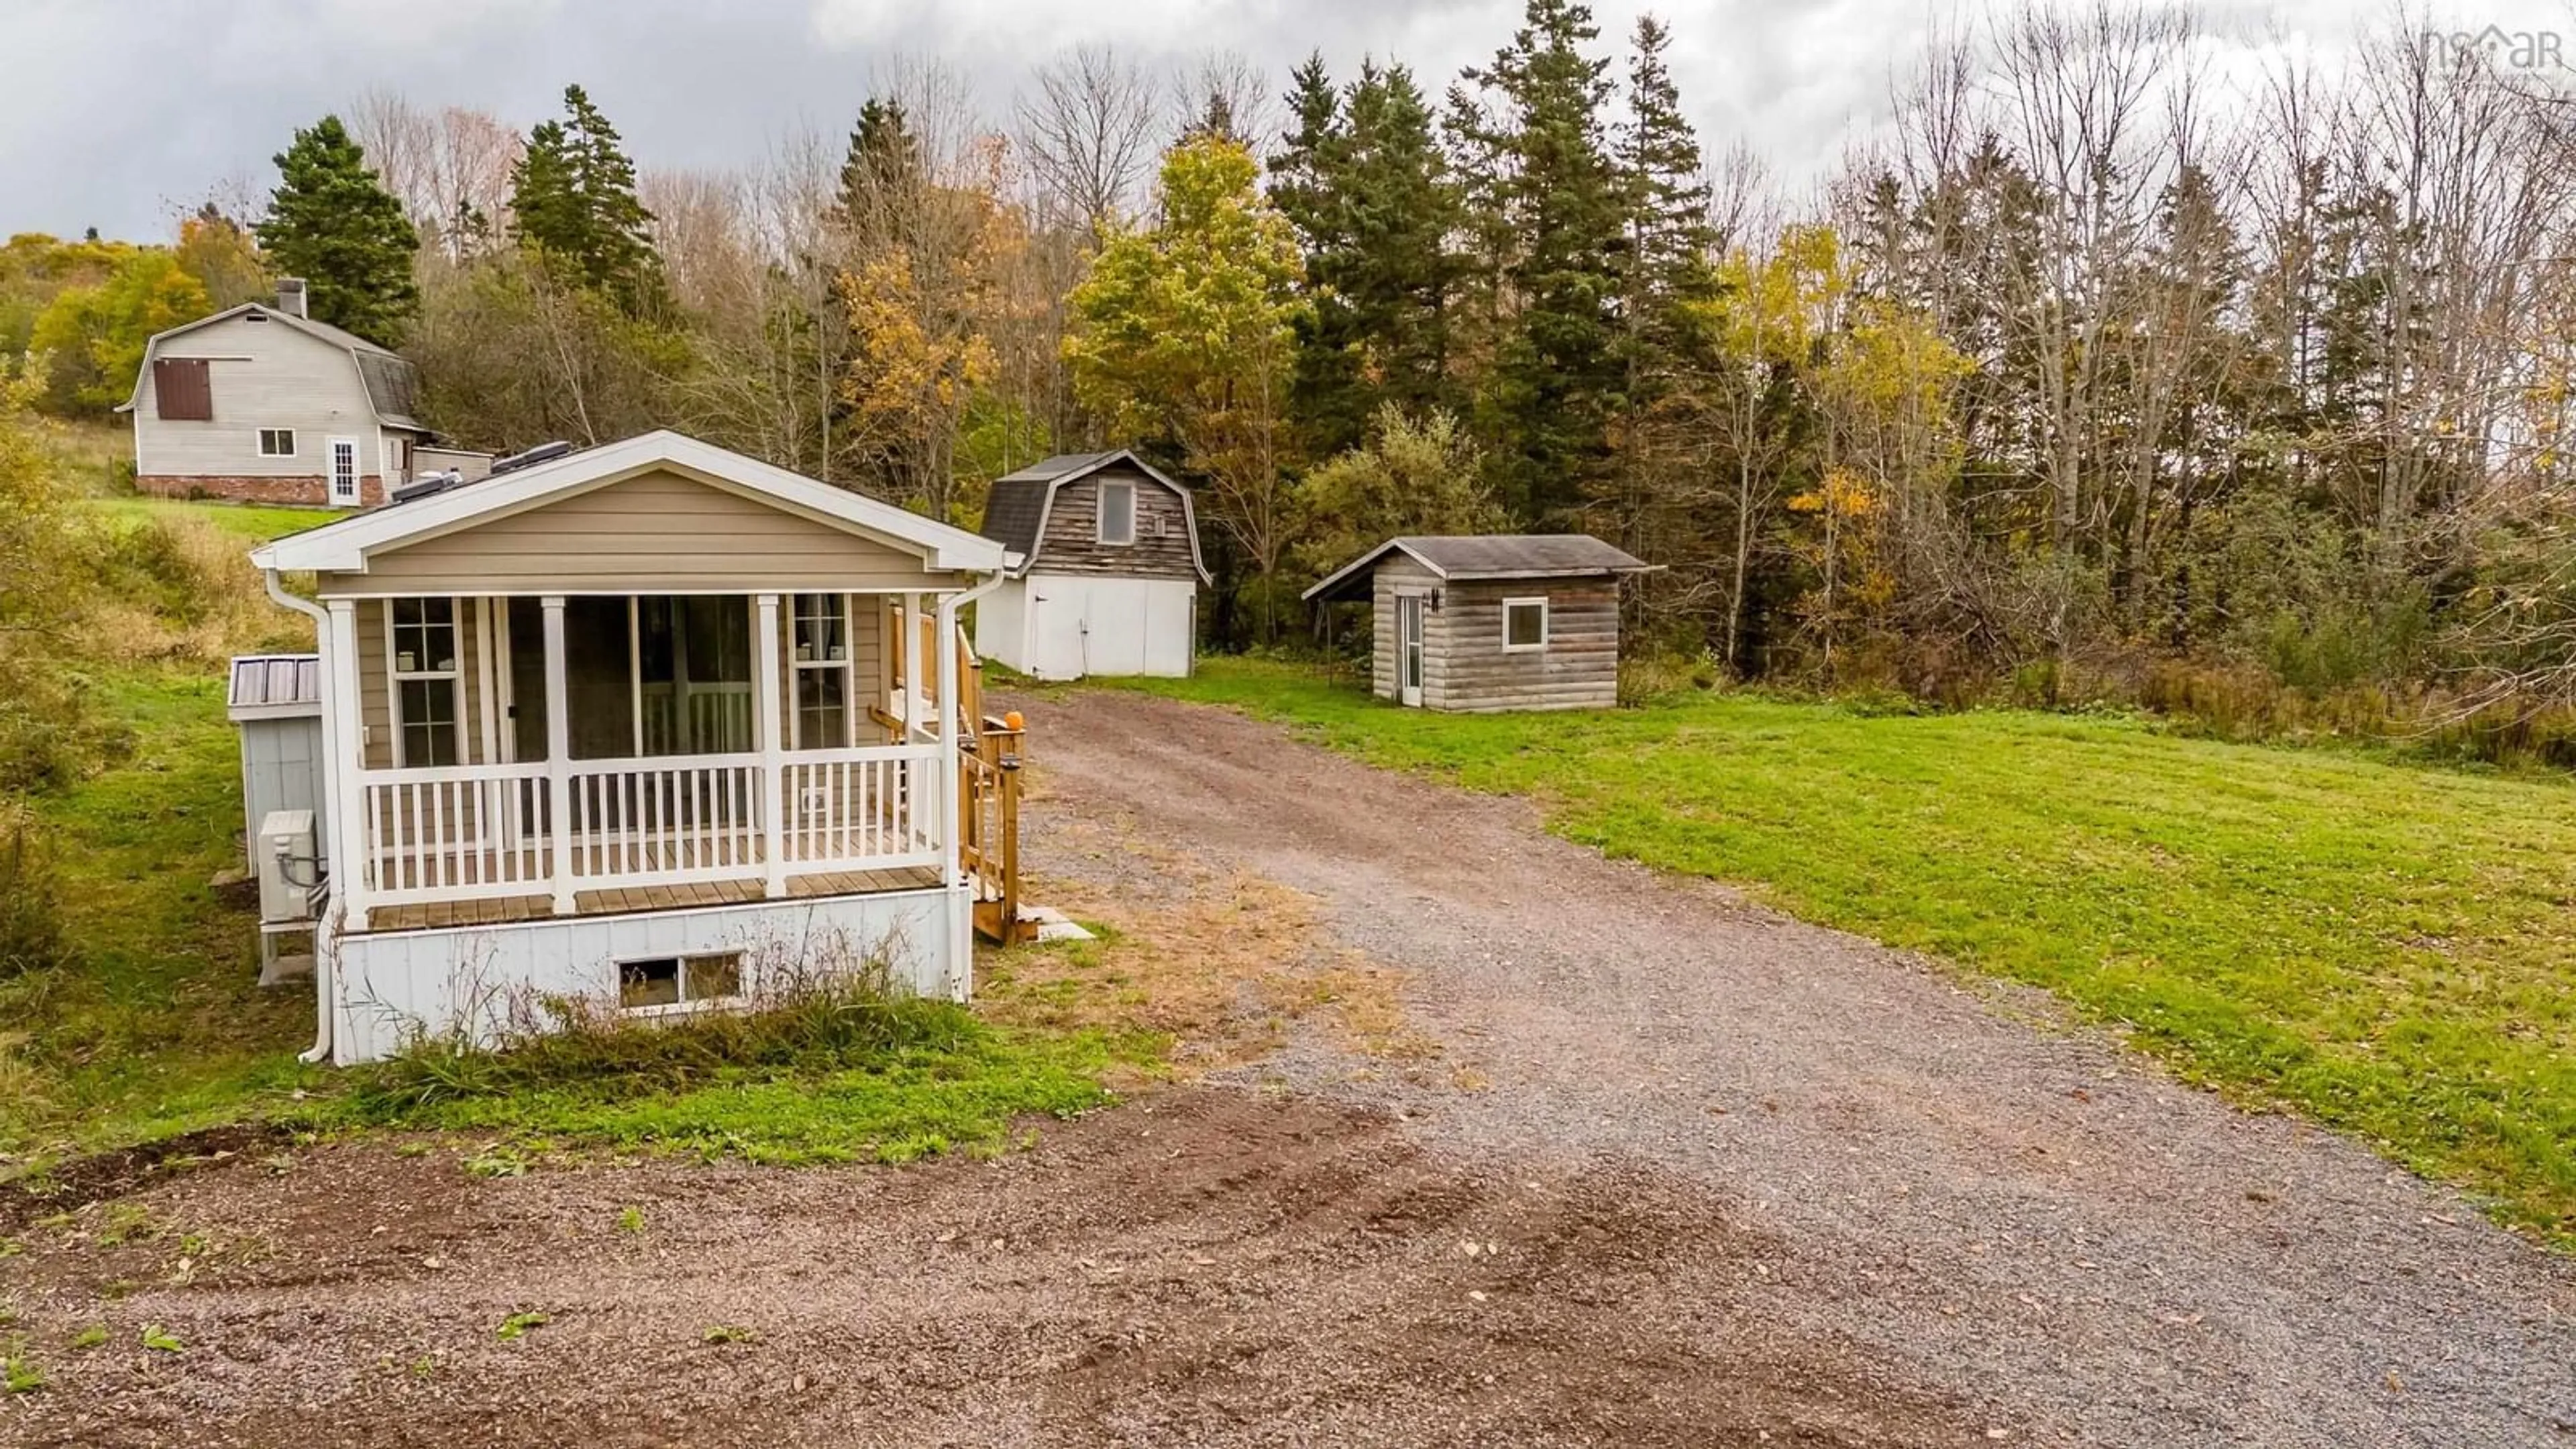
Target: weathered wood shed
1490	622
1104	570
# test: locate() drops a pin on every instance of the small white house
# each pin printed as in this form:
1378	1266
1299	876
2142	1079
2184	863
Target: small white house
1104	574
639	725
263	404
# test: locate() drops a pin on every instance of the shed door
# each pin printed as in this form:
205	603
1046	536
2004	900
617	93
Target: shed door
1408	648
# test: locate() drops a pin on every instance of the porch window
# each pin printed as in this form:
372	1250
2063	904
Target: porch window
424	659
821	656
1117	513
679	981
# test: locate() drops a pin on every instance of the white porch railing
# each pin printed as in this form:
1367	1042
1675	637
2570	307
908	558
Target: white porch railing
474	832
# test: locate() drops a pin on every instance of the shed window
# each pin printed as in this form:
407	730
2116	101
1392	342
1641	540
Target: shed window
277	442
1524	624
1118	513
679	981
425	674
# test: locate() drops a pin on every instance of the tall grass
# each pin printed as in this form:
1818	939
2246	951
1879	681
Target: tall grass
806	1017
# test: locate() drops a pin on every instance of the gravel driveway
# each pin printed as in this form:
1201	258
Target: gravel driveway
1951	1179
1576	1155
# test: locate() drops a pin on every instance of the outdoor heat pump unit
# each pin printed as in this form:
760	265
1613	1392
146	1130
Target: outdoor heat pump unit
290	872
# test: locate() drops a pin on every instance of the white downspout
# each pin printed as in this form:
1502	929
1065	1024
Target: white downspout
322	960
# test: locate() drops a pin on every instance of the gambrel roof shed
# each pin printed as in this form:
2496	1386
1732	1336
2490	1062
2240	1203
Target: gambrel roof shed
1017	512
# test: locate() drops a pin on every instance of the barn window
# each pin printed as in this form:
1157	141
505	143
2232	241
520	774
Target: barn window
425	673
277	442
1524	624
1118	513
181	391
661	982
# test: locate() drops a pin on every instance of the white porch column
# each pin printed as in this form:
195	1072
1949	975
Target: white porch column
558	759
907	635
765	722
947	782
344	736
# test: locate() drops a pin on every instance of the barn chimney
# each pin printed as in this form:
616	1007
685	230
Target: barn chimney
290	296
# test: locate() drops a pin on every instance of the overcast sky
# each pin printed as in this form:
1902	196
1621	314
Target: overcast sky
117	112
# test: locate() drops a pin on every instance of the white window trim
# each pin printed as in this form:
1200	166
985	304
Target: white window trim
846	664
1100	516
684	1006
396	675
287	433
1540	601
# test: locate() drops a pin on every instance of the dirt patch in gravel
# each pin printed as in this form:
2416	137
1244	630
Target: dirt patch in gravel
1209	1265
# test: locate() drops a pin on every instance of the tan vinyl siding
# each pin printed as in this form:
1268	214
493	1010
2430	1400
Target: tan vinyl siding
259	375
1071	543
375	685
658	532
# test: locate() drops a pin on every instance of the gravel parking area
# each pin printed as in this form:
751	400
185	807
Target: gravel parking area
1953	1178
1518	1146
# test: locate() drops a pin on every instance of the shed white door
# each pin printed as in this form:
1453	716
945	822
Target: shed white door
344	472
1081	625
1055	628
1408	648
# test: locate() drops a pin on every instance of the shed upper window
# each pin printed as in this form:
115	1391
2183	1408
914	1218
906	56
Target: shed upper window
1118	513
1524	624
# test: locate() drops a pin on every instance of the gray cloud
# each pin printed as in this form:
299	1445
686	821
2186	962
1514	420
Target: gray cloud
117	114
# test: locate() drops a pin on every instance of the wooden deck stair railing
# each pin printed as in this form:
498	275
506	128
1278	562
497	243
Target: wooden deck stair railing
988	785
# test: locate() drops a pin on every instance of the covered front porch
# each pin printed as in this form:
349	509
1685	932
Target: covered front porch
526	756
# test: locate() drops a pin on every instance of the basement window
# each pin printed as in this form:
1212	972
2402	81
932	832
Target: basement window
665	983
1524	624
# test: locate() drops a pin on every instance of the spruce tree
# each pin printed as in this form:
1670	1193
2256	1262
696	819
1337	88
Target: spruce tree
573	197
1670	236
1551	223
883	170
330	222
1363	180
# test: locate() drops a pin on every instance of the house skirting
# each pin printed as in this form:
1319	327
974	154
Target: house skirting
388	987
313	489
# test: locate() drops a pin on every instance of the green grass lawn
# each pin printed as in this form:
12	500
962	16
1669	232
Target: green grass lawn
257	522
161	1027
2386	947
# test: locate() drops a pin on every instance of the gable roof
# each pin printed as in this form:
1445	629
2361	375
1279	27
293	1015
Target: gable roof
1461	557
346	545
1015	514
391	382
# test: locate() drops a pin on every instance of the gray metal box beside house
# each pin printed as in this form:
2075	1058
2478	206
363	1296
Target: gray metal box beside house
276	703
